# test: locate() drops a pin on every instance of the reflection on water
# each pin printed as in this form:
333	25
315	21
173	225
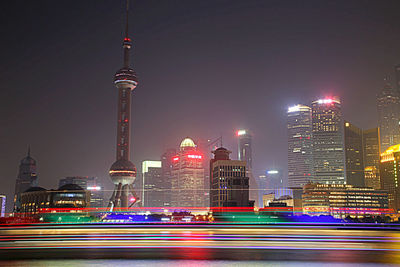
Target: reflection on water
176	263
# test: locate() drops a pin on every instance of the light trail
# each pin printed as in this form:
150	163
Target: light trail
196	236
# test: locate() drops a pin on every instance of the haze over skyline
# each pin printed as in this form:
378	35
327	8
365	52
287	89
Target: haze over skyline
205	68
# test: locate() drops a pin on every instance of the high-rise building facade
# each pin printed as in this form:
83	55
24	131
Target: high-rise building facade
328	145
90	184
27	177
372	177
371	157
300	161
245	153
153	187
389	116
229	185
390	174
353	149
166	173
187	176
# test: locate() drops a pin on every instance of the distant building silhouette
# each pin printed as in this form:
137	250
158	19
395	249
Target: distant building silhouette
27	177
388	102
371	156
166	174
353	149
245	153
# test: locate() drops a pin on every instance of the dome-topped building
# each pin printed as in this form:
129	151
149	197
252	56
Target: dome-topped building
187	143
187	176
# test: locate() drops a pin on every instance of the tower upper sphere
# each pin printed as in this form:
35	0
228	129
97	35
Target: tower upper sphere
126	78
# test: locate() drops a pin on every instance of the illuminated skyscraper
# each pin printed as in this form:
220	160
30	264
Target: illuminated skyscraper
390	174
299	129
328	147
371	156
353	147
152	191
389	116
123	171
26	178
244	147
229	185
187	176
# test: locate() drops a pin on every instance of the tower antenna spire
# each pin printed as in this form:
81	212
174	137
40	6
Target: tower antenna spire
127	41
29	150
127	18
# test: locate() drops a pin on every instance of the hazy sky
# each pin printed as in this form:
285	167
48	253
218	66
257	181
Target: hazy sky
205	68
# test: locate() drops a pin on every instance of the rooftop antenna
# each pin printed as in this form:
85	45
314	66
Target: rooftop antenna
127	41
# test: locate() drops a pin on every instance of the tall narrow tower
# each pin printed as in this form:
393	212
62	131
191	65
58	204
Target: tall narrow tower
123	171
27	178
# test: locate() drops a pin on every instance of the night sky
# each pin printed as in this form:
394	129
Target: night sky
205	68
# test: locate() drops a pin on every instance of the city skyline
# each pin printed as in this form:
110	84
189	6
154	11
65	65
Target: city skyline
242	132
68	144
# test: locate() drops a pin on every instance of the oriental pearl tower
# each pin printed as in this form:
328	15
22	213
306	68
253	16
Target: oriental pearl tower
123	171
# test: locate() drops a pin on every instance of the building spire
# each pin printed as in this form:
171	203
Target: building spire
29	151
127	18
127	41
